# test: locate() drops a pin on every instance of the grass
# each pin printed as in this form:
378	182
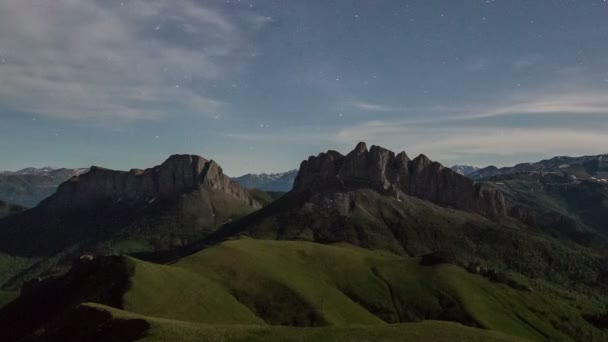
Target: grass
11	266
170	292
171	330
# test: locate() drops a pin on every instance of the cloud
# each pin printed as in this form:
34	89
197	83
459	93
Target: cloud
541	102
578	102
372	107
95	62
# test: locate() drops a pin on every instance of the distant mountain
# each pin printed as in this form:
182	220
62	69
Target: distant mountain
45	171
593	168
29	186
464	170
280	182
140	211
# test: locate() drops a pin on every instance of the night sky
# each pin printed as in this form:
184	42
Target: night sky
261	85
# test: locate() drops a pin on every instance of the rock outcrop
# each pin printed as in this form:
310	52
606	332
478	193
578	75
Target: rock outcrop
397	175
177	175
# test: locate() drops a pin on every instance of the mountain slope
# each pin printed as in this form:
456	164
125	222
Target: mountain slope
280	182
260	283
7	209
559	203
140	211
362	200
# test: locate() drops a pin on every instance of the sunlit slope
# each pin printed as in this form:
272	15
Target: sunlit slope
171	292
303	283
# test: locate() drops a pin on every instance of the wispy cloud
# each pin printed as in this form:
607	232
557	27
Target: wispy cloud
99	62
577	102
372	107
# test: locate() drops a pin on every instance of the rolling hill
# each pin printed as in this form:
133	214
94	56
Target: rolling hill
247	289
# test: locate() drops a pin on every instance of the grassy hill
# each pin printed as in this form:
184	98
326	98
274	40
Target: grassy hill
249	289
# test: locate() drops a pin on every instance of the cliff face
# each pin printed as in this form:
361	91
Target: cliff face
177	175
381	170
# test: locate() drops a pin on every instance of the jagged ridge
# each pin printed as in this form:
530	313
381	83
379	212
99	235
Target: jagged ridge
397	175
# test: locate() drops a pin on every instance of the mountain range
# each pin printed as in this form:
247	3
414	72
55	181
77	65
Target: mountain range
30	186
276	182
593	168
370	245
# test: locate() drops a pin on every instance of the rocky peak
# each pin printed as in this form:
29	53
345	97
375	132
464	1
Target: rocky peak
360	148
419	163
179	174
354	165
387	173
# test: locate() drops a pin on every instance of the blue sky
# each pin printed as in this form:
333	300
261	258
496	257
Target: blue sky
261	85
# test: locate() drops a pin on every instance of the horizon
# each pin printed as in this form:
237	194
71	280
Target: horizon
259	86
297	168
